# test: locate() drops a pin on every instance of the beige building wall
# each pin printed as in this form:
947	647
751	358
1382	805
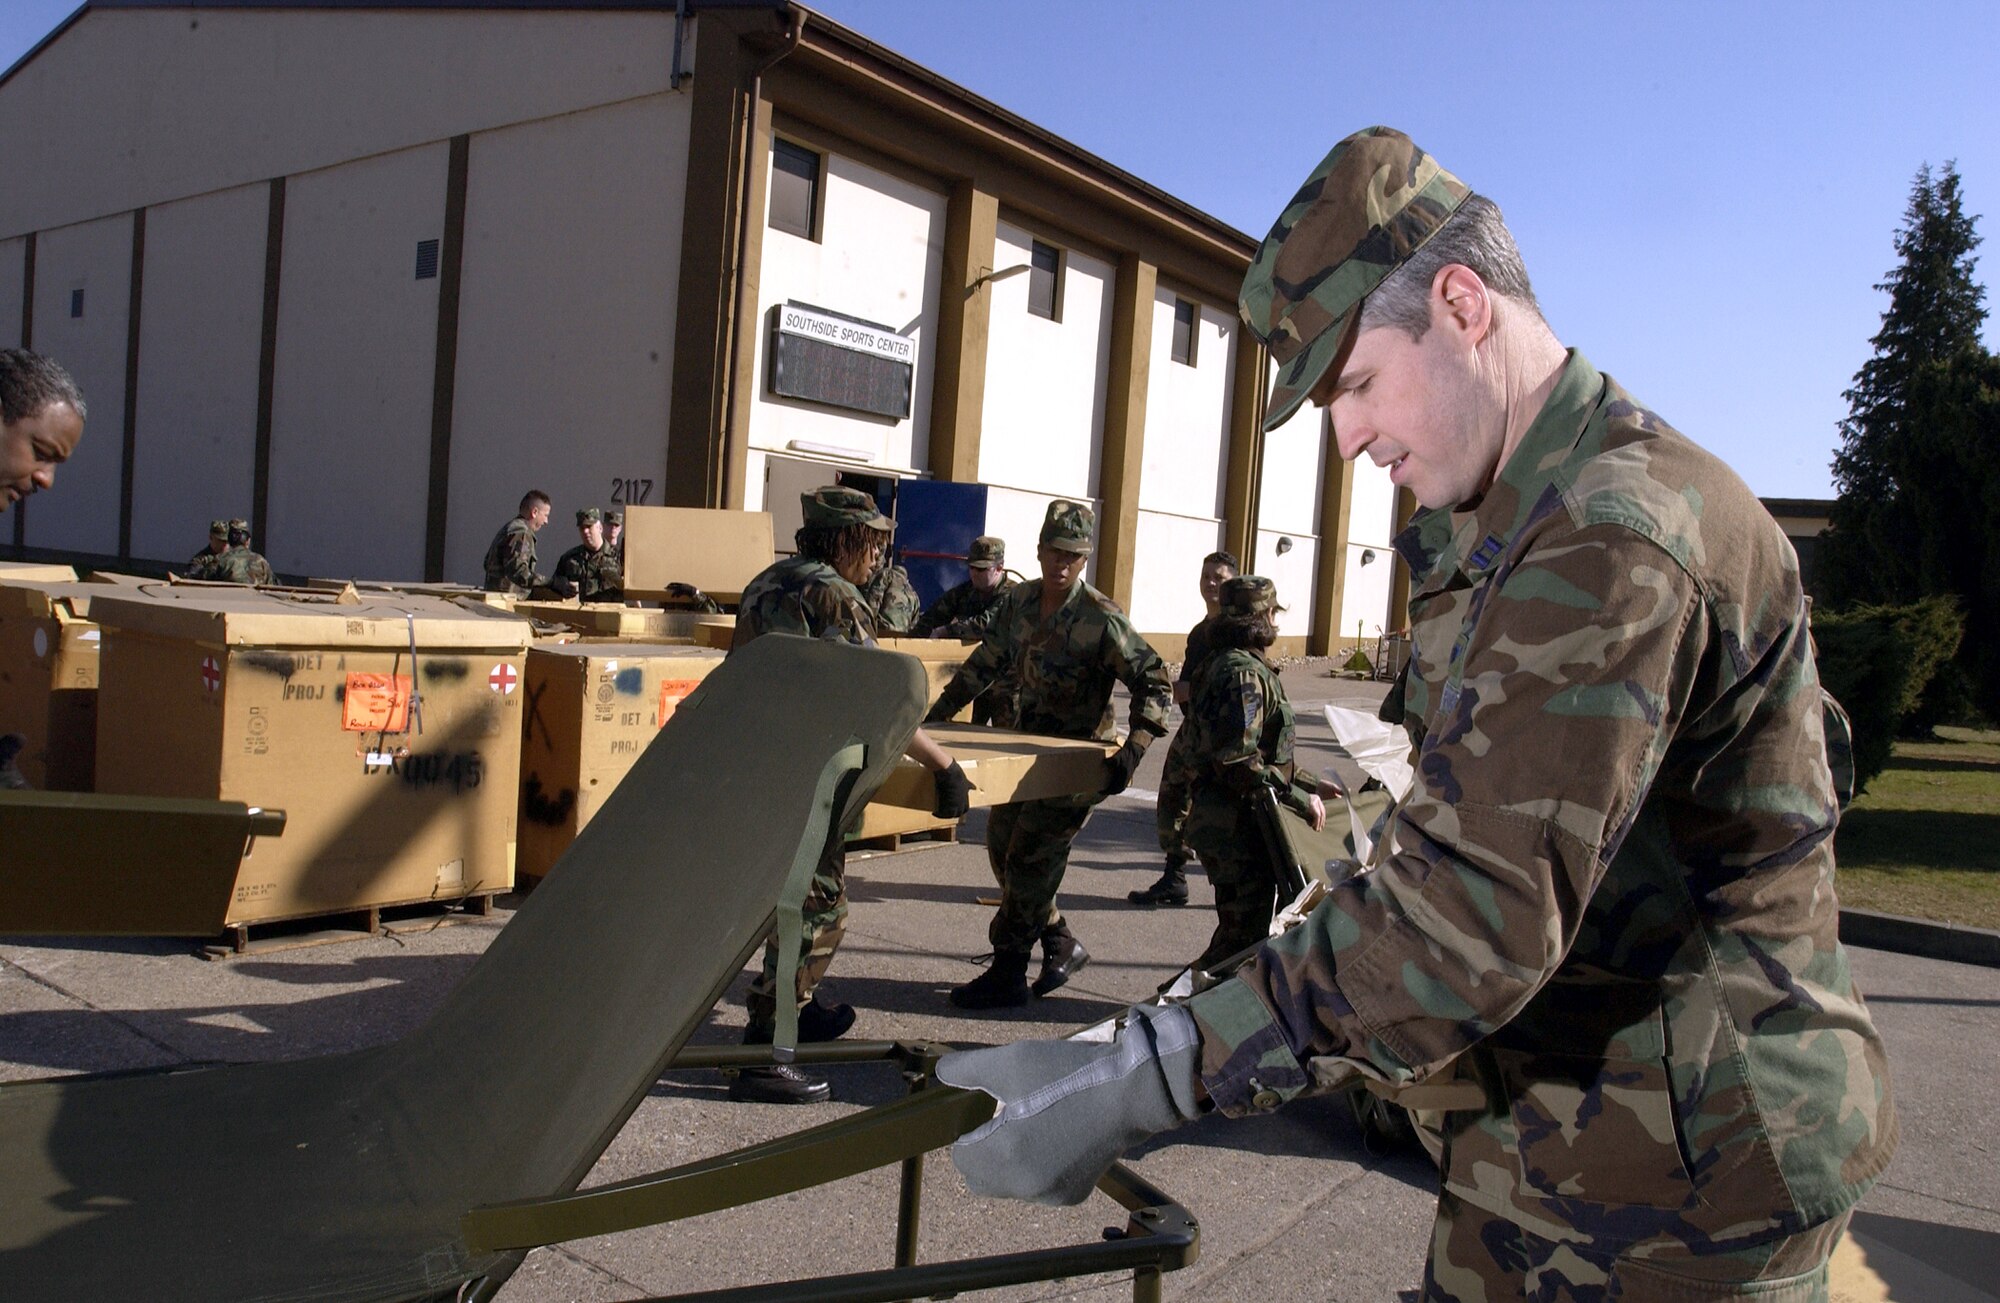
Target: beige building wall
566	320
1296	465
1371	527
1042	424
1184	463
879	256
168	103
200	333
357	341
96	259
13	262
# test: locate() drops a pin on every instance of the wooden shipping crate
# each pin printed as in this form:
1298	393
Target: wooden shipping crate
592	708
1004	766
615	620
387	727
48	680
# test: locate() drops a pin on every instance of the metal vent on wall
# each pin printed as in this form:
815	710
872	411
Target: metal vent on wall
427	260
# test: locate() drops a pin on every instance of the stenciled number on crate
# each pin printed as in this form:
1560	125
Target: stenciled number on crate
631	492
462	771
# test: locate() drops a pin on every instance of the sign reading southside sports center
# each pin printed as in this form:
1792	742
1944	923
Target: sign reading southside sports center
842	361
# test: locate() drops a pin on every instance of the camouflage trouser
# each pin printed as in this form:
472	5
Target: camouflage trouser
1477	1257
823	919
1027	845
1176	797
1239	868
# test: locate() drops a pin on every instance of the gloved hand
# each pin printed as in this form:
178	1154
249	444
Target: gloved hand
1119	768
954	792
1068	1109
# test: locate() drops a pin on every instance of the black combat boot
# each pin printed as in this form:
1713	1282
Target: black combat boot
777	1083
1003	986
1063	956
824	1022
1171	889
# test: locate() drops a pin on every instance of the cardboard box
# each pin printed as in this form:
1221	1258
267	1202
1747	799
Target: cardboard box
615	620
398	772
48	680
35	570
719	552
1003	766
592	708
895	821
715	631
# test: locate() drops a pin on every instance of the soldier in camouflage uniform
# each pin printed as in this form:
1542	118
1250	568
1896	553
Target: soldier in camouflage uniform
1237	739
892	599
589	571
1177	775
239	565
201	563
813	595
510	557
1609	896
965	611
614	535
1067	645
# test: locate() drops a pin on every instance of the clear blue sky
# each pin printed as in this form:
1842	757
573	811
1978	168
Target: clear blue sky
1705	192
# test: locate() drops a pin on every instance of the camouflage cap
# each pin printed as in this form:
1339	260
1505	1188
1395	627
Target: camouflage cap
1248	595
837	508
218	528
239	525
1365	209
613	516
1068	527
986	553
589	516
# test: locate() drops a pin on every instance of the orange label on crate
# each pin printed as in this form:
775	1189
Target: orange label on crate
671	692
376	703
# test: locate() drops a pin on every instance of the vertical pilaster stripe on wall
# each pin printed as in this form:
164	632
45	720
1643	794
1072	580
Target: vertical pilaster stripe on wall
267	365
27	341
131	432
444	377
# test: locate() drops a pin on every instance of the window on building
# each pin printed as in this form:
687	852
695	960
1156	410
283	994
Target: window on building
76	302
1045	265
1187	331
427	260
794	189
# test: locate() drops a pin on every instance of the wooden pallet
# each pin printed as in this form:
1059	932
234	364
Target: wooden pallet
889	843
240	939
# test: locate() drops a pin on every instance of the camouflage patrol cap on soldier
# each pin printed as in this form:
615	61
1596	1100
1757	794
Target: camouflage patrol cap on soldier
238	525
1248	595
218	529
1365	209
589	516
613	516
986	553
837	508
1068	527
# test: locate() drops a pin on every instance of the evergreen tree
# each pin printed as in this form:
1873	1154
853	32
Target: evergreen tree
1918	513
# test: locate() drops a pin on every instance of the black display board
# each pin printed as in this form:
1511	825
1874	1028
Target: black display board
823	369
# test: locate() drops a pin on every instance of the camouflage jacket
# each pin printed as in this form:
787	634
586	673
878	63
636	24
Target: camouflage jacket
801	596
239	565
590	576
1065	666
510	560
201	565
1239	733
1192	659
1612	881
963	612
892	599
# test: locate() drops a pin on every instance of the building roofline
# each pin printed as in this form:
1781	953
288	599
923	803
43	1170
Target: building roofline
1002	121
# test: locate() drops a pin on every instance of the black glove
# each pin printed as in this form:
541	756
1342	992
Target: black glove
954	792
1119	768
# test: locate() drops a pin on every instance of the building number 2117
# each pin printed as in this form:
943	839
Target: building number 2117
631	493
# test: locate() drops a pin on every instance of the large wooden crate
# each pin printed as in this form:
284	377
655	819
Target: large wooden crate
593	707
48	680
387	728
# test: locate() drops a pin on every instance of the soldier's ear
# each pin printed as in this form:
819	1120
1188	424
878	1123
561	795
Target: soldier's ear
1461	304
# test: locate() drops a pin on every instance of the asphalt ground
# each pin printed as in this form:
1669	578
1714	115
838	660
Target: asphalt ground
1292	1206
